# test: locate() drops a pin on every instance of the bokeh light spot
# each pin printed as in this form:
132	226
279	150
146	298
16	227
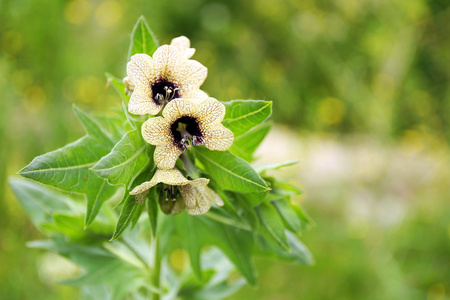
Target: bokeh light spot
331	110
179	259
108	13
34	98
12	41
77	11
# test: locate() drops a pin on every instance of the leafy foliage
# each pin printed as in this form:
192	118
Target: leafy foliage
258	217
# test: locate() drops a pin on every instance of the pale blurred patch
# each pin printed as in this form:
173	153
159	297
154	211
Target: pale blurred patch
34	98
77	11
108	13
179	259
53	269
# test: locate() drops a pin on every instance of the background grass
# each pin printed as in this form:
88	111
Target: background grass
361	88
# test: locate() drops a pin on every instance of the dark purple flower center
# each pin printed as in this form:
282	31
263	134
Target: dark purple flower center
164	91
186	132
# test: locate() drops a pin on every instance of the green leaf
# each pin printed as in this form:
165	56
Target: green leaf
288	214
230	172
100	266
152	209
73	227
270	219
242	115
263	168
142	39
38	202
125	162
246	144
129	209
68	168
190	241
299	254
235	243
93	128
118	85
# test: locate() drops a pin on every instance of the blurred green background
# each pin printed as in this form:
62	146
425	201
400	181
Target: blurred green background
360	88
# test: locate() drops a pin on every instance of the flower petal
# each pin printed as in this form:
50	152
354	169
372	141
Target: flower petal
209	112
139	69
144	187
177	108
192	75
167	61
218	138
183	44
214	197
141	104
166	156
156	131
196	199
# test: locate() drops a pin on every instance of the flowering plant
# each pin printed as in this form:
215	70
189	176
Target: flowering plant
168	149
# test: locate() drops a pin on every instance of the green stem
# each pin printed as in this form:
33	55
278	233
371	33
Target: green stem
157	271
189	166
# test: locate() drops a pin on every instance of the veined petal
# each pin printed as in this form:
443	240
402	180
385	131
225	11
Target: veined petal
209	112
141	104
166	156
196	199
192	74
183	44
144	187
167	61
214	197
218	138
156	131
177	108
139	69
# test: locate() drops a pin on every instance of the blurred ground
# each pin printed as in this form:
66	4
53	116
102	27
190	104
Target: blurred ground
361	87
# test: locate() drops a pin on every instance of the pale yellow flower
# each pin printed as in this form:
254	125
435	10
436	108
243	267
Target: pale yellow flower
193	195
183	44
185	123
129	87
165	76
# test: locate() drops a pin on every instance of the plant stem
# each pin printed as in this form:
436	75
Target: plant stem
189	166
157	271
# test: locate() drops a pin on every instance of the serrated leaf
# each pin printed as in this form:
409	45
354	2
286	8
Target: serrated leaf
270	220
288	214
38	202
68	168
93	128
142	39
246	144
243	115
230	172
125	162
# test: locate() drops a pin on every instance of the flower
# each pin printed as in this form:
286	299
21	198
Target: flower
183	44
166	76
185	123
193	195
129	87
